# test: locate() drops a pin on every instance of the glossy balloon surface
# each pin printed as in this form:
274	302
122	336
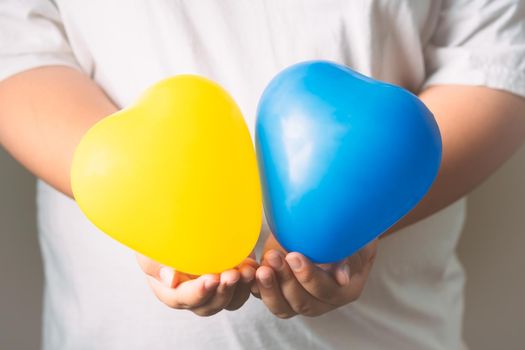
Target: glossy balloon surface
174	176
342	157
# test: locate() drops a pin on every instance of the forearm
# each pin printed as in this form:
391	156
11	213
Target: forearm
481	128
44	112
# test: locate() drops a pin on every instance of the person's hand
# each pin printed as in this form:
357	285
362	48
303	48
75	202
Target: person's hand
289	284
203	295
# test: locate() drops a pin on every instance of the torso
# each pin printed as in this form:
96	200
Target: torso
96	297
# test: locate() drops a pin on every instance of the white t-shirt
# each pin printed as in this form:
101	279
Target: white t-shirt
96	297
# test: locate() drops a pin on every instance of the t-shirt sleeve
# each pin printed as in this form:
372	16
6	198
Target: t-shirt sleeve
479	42
31	35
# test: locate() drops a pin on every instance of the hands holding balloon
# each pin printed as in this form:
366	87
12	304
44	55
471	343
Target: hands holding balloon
203	295
341	157
290	284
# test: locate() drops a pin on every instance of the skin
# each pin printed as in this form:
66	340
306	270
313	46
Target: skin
41	129
289	284
480	127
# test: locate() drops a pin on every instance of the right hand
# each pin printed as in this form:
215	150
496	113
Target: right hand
203	295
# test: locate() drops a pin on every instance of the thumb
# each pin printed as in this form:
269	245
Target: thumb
168	276
339	270
149	267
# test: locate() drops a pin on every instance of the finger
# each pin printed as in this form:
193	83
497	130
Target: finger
368	254
271	293
165	274
248	279
149	267
342	273
363	265
240	296
250	261
314	279
254	289
186	295
247	269
223	294
371	249
356	263
297	297
242	291
356	266
247	273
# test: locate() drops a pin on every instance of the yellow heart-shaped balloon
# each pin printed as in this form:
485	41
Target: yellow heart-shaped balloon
174	177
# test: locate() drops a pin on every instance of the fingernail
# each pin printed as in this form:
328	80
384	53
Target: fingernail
247	273
166	276
275	260
266	279
230	283
345	275
294	262
210	283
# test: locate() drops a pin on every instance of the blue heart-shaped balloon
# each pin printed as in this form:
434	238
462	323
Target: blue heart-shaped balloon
342	157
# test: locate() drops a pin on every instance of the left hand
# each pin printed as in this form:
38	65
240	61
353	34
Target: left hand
290	284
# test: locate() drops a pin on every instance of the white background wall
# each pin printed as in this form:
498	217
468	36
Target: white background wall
492	250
